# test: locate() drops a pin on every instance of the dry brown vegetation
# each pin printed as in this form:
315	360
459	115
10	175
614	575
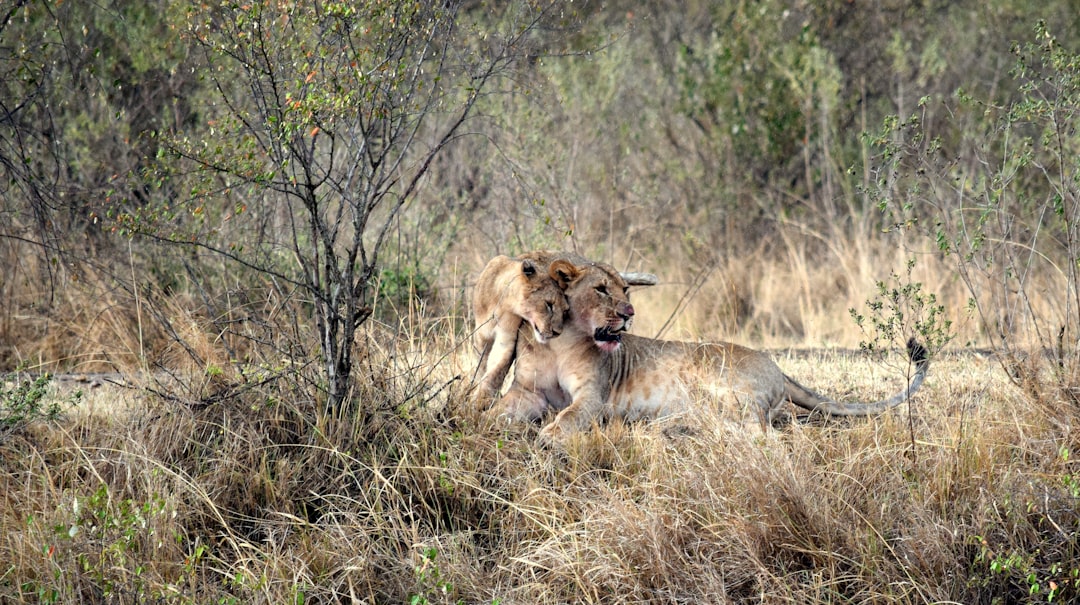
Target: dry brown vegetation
404	498
778	164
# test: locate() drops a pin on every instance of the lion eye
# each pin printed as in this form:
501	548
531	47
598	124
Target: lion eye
602	290
550	307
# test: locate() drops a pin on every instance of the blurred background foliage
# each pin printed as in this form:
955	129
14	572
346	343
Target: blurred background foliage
694	139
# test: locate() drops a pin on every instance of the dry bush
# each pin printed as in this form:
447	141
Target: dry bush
71	321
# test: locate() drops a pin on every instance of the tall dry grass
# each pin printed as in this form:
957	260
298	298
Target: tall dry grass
968	495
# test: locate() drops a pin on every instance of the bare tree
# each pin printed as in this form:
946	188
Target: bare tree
327	115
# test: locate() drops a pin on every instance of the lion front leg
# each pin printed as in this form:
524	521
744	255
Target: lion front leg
566	423
496	363
587	407
518	405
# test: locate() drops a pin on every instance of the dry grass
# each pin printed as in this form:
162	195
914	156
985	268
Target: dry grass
265	497
792	295
234	489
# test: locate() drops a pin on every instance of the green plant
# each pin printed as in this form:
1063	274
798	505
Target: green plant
899	311
400	287
23	401
1069	479
110	543
756	97
121	529
1048	585
429	580
1008	216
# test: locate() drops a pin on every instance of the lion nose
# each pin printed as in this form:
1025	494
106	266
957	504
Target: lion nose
627	311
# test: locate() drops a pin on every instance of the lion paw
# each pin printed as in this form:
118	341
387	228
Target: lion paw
551	436
481	400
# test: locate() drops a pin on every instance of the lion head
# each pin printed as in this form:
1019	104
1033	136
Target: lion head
544	305
599	301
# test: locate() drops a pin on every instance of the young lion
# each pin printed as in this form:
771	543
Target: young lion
510	293
605	373
513	292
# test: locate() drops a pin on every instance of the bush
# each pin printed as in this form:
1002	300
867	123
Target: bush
25	400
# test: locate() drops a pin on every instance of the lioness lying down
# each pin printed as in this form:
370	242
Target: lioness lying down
594	370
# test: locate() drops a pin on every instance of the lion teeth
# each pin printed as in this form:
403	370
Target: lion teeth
605	334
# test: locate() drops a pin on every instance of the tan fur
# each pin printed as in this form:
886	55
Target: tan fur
523	293
589	376
513	293
536	387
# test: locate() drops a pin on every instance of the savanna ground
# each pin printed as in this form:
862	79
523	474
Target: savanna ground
967	495
821	180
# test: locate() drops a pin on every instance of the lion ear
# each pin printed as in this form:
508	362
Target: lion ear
563	272
528	268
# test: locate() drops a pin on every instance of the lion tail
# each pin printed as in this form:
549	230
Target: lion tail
809	400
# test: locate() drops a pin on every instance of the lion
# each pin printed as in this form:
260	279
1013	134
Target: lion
536	389
512	293
595	370
509	294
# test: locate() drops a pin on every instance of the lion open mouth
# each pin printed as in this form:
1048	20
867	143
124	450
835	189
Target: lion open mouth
606	339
